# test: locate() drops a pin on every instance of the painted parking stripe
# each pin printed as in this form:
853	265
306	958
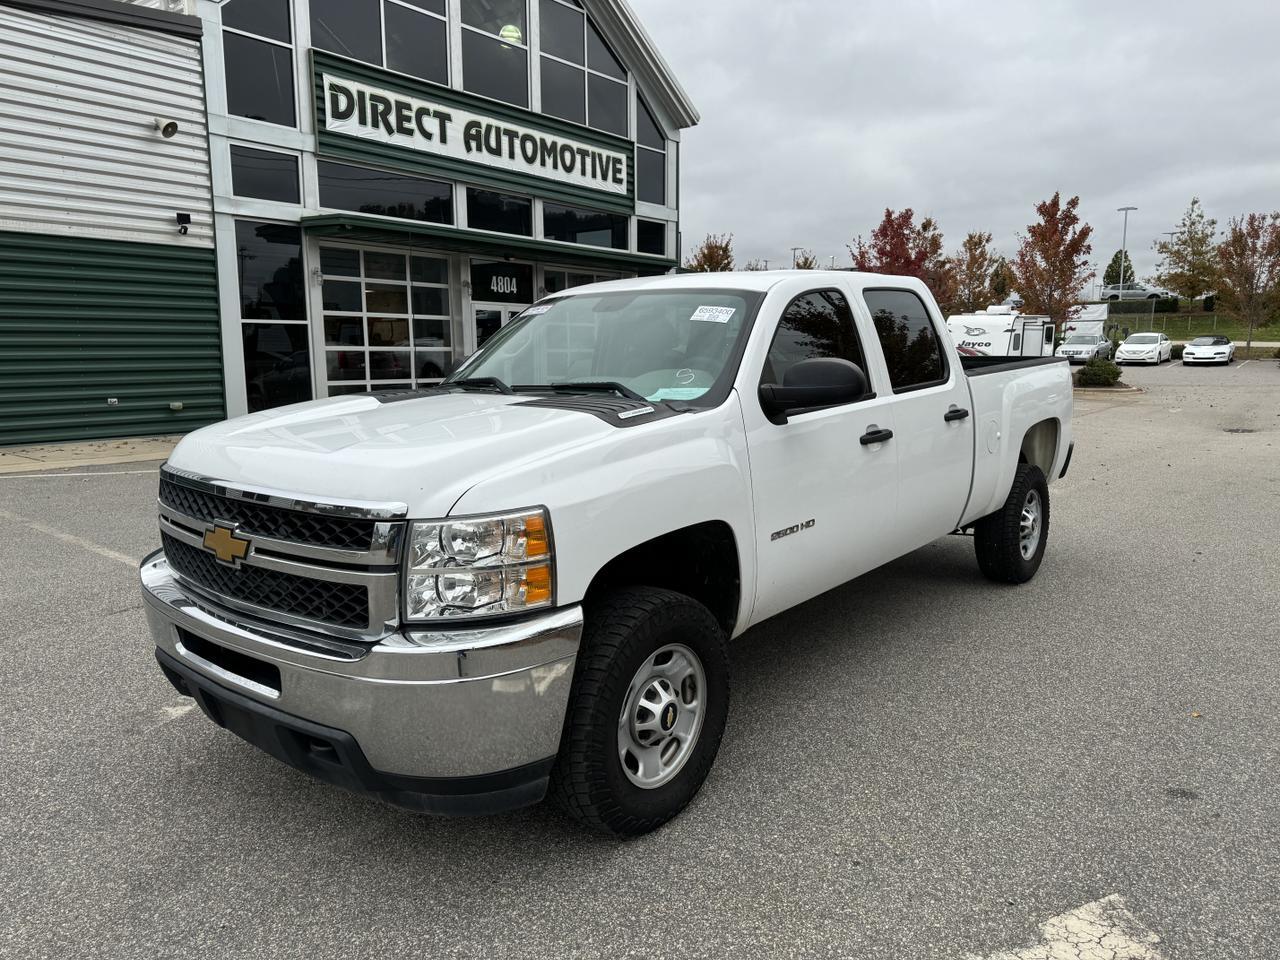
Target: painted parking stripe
70	538
54	476
1102	930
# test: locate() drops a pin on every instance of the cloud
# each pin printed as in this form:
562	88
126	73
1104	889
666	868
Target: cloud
816	116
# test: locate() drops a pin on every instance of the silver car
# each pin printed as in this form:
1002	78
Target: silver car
1133	291
1079	348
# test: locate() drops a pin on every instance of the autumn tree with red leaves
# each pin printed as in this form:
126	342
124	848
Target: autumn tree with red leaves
1249	267
1052	264
901	247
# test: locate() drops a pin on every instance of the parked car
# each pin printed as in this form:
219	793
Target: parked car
525	580
1133	291
1081	348
1216	349
1145	348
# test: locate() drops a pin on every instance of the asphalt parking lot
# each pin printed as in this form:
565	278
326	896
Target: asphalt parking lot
919	764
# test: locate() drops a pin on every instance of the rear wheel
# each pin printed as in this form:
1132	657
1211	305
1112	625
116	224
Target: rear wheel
650	701
1010	543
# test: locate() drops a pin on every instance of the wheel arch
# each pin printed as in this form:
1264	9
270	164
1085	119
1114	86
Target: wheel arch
1040	445
701	561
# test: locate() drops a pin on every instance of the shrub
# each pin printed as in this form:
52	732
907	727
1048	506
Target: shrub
1277	354
1177	351
1098	373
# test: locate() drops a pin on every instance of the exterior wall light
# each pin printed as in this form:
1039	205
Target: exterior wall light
166	128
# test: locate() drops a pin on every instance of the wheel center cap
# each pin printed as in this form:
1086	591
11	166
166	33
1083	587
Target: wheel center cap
668	717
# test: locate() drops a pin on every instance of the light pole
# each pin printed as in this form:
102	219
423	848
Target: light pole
794	251
1124	244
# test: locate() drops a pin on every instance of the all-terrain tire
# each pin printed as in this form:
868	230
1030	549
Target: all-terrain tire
623	630
997	539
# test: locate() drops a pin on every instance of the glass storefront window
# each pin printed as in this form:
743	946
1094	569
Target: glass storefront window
487	210
264	174
277	364
582	80
266	18
270	261
259	79
651	157
386	194
386	319
347	27
591	227
417	44
502	18
495	68
651	237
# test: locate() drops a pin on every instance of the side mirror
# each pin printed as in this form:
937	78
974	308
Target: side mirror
819	382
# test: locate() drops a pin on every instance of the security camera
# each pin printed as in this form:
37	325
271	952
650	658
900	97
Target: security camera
184	222
166	128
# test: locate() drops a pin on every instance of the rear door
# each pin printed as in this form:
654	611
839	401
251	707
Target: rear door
933	426
825	500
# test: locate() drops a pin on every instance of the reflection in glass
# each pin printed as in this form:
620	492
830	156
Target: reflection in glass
561	30
431	301
348	27
341	296
416	44
345	364
269	256
385	298
564	91
344	331
388	332
389	364
384	266
607	105
340	261
266	18
277	364
495	69
364	190
259	80
576	225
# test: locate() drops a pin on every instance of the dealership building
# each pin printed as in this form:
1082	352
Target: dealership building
212	208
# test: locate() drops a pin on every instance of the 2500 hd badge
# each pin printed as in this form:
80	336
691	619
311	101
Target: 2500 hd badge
779	534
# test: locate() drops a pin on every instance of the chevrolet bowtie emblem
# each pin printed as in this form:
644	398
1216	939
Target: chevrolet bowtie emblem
226	545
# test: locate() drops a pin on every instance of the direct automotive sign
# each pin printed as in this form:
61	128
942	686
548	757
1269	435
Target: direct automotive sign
358	110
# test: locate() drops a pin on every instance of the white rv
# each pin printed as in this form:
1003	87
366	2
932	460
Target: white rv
1001	332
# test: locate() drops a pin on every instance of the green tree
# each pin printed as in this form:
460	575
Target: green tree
972	265
1111	275
1052	264
1249	265
715	255
1188	260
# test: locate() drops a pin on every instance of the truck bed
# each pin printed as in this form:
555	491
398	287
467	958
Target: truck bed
977	366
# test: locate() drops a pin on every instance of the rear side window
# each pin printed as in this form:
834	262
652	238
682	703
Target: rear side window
911	346
818	324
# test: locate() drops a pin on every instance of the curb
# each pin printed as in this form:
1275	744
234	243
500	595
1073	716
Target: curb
63	456
1106	391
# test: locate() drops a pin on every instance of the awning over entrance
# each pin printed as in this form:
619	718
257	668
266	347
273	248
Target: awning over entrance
365	229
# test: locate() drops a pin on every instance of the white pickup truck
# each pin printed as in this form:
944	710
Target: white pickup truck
525	579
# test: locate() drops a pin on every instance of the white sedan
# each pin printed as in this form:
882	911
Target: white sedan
1209	350
1145	348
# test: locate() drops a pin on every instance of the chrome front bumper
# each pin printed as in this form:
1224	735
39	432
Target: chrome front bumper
455	704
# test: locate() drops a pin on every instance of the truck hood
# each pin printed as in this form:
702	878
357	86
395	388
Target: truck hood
425	451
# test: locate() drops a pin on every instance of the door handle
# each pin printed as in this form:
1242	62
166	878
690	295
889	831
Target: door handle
875	435
955	413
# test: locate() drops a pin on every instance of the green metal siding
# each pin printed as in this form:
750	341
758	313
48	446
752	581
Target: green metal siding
339	146
84	320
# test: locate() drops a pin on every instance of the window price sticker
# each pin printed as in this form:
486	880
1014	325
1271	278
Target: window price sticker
538	310
714	314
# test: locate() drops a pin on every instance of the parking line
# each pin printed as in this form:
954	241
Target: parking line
70	538
1102	929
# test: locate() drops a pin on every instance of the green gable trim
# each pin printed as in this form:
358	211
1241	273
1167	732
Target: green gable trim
338	146
84	320
368	229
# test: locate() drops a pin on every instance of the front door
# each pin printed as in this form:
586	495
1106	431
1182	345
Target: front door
933	425
490	318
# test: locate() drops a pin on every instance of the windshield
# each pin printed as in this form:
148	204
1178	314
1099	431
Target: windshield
660	344
1143	338
1207	342
1080	339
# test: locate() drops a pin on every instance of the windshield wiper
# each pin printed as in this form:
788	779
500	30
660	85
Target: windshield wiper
588	386
480	383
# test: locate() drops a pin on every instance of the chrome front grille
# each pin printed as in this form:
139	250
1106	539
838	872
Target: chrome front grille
319	565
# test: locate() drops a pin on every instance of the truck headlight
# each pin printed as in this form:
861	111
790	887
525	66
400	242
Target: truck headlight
479	566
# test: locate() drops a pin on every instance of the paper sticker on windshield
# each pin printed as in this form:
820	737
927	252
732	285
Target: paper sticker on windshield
535	311
677	393
714	314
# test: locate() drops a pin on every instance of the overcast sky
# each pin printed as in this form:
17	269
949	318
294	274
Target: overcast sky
816	116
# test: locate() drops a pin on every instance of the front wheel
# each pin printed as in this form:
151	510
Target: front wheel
650	701
1010	543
